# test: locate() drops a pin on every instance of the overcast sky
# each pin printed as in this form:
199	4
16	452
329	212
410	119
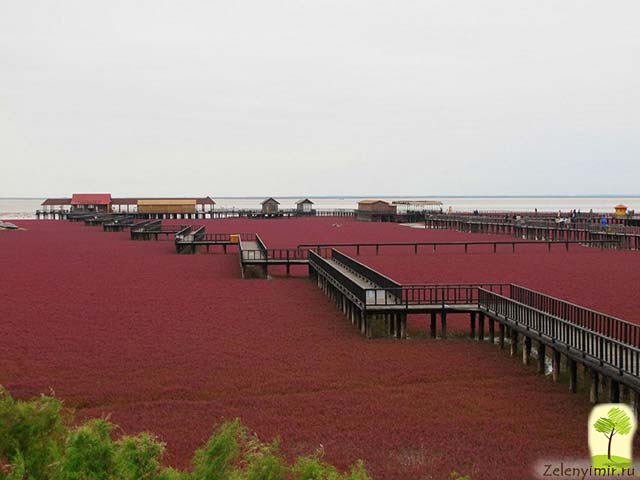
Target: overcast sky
319	97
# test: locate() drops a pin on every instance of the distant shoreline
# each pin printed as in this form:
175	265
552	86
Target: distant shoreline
253	197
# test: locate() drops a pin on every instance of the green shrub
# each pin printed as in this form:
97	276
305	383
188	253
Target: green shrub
37	443
215	461
89	452
139	457
31	434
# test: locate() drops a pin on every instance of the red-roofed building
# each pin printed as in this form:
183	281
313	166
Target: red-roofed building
92	202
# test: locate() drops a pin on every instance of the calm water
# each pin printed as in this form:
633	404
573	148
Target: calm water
16	208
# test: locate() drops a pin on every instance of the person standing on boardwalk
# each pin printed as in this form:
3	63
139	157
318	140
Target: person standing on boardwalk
603	222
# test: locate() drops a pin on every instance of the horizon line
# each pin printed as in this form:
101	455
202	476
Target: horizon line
251	197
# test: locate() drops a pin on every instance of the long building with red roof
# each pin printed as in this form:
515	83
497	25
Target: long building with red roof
104	202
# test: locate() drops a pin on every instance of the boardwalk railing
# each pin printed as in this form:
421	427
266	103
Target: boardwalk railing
282	255
338	279
590	345
253	254
224	237
465	245
366	272
147	225
612	327
155	228
433	295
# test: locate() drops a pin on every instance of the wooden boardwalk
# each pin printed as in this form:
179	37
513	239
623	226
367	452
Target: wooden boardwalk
589	234
607	347
464	245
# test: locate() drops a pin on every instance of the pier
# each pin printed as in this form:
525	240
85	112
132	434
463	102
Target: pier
60	214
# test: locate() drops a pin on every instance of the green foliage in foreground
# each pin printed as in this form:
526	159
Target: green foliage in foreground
38	443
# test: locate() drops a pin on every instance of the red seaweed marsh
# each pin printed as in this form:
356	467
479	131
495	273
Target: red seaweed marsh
175	344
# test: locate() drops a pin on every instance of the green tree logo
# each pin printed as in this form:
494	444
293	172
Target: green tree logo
616	422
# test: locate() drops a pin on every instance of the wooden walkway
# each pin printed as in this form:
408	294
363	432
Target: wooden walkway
414	246
607	347
621	236
153	230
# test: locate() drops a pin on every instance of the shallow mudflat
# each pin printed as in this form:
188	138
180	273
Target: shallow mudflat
174	343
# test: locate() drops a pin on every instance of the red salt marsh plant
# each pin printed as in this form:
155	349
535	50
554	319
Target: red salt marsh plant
173	344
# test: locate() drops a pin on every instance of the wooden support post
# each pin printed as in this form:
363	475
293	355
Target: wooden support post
635	401
542	355
624	393
443	324
573	375
433	324
526	350
501	329
481	327
513	351
555	359
472	327
593	393
492	331
614	391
